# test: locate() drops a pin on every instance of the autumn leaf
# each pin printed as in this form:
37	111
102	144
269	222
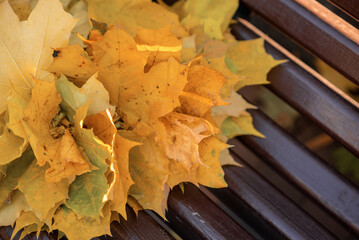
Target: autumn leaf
78	9
41	109
61	153
203	90
73	97
225	158
27	219
73	62
139	100
237	106
232	79
161	44
131	14
14	171
180	140
236	126
249	59
87	191
149	171
39	193
123	180
12	145
210	173
211	15
10	211
26	47
81	229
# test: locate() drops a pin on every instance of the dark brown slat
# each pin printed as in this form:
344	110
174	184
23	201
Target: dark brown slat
312	33
349	6
194	216
141	227
305	169
266	202
312	98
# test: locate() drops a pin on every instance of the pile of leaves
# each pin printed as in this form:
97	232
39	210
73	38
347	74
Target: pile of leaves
116	110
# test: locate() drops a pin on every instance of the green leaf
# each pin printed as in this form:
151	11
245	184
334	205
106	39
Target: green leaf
87	191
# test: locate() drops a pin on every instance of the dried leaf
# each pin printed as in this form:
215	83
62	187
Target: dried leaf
42	195
14	171
27	219
161	44
203	90
211	174
12	146
81	229
249	59
150	172
242	125
10	211
123	180
74	62
131	14
26	47
87	191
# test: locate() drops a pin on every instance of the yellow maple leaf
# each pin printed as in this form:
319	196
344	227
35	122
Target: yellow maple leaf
149	168
211	174
75	63
10	211
203	90
102	126
62	154
249	59
119	178
68	222
130	15
26	47
40	194
161	44
123	180
241	125
179	140
213	16
11	146
232	79
26	218
237	105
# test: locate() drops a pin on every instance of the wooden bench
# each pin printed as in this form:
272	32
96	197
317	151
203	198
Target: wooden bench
254	206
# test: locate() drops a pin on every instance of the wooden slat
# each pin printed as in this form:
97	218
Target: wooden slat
249	194
349	6
141	227
193	216
311	97
312	33
294	161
